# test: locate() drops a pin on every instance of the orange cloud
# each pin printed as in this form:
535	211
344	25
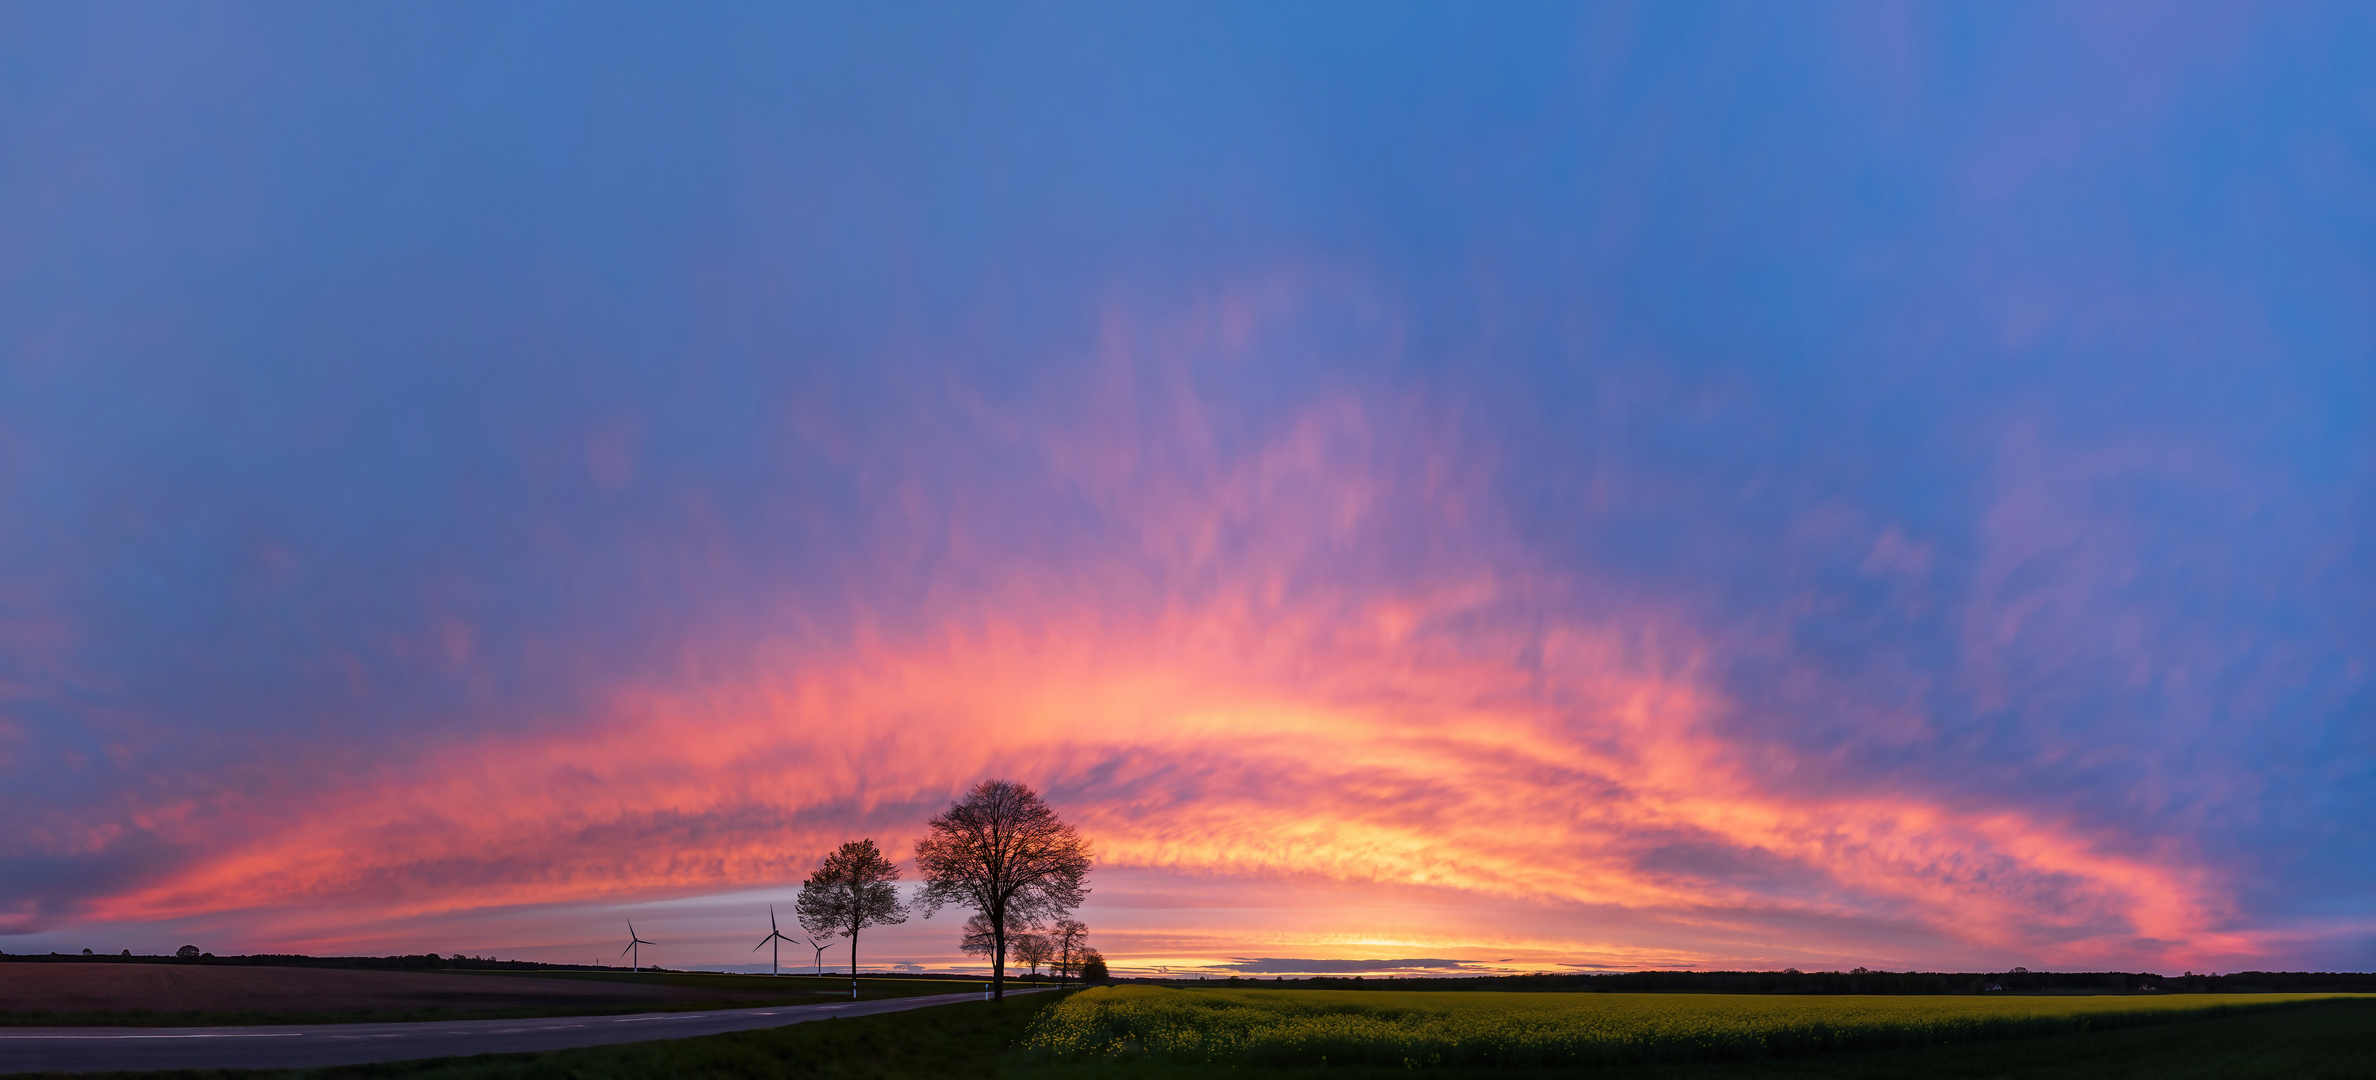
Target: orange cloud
1226	740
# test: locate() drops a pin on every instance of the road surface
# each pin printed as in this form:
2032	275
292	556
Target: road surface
294	1046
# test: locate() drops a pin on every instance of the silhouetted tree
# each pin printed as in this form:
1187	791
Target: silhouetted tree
980	941
851	891
820	919
1093	966
1069	936
1003	852
1032	950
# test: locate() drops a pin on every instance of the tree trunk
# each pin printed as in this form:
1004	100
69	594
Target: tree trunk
998	954
853	963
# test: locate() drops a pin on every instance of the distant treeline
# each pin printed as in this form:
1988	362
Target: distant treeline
1637	982
1835	982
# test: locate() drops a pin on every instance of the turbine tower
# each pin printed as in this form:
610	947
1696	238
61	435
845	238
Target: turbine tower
632	942
774	937
820	953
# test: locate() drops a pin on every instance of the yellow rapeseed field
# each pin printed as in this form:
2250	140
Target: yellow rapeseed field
1422	1029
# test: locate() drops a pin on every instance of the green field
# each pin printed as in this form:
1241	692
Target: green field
1305	1028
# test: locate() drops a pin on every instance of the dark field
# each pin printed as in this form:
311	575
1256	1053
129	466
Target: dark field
831	987
153	994
2323	1041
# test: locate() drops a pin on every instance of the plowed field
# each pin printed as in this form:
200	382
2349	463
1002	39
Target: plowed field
201	988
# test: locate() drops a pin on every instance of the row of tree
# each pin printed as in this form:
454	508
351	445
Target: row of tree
1000	851
1062	947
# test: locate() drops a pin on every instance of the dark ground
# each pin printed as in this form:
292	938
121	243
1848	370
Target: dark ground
2325	1041
166	995
165	988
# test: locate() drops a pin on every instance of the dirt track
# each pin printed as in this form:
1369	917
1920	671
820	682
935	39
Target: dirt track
180	988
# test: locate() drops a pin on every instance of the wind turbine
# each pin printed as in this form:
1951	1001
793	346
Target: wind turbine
632	942
820	951
774	936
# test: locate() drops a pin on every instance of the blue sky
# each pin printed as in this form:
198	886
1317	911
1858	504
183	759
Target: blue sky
1879	484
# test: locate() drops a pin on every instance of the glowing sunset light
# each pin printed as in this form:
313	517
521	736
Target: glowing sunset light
1519	490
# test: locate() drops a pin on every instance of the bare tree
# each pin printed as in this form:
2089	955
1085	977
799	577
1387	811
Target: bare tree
819	918
1032	950
1069	936
1002	851
978	940
851	891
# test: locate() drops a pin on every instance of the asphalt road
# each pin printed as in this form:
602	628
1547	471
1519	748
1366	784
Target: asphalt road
295	1046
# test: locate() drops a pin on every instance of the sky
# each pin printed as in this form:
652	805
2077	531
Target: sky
1422	487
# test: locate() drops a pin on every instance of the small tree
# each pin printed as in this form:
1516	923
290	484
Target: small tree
977	938
1003	852
851	891
819	918
1069	936
1093	968
1033	950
